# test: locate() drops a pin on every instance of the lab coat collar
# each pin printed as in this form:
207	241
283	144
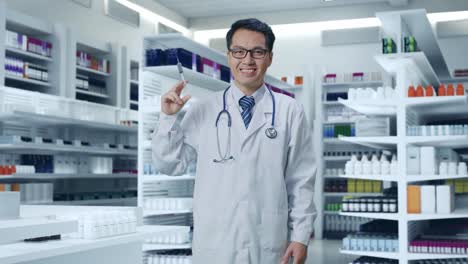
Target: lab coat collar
262	112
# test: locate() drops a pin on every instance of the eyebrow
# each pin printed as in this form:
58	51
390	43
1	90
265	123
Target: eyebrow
256	47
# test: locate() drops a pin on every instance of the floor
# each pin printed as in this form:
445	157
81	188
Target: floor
327	252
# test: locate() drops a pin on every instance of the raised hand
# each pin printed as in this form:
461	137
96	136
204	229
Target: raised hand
171	102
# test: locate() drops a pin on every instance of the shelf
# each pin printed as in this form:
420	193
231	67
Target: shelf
331	213
338	158
331	103
280	84
48	120
160	178
371	107
26	54
393	62
134	82
331	177
17	178
193	77
132	201
440	107
30	81
151	247
455	142
149	213
99	95
387	255
337	194
372	177
26	252
384	216
458	213
427	256
335	141
387	142
417	178
84	69
51	148
134	102
19	229
174	40
339	122
353	84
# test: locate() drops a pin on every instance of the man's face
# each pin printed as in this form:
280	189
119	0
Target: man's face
249	71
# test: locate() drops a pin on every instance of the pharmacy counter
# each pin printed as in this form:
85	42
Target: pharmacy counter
122	249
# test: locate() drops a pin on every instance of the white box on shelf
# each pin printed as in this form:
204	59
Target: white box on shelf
428	199
429	164
10	204
447	154
413	160
371	127
445	197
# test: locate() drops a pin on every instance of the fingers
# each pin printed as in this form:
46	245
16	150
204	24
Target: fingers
179	87
287	256
186	98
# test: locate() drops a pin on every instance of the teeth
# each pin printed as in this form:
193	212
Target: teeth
248	71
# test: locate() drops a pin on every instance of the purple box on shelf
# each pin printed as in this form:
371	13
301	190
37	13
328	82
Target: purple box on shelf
225	73
155	57
358	76
184	56
197	63
210	68
329	78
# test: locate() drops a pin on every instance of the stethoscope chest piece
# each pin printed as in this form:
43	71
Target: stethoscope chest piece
271	132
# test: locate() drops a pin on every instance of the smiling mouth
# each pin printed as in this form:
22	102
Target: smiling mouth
248	70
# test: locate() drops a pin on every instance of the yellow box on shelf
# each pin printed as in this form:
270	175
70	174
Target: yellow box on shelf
377	186
351	185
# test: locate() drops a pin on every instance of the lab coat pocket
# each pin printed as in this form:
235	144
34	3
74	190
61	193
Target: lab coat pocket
274	230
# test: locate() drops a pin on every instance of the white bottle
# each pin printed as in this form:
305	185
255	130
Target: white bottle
443	168
366	165
352	94
452	168
375	165
394	166
384	166
357	168
462	169
89	227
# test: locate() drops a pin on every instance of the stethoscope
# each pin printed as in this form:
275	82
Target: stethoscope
269	132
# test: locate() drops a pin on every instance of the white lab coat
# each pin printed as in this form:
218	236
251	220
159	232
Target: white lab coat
242	208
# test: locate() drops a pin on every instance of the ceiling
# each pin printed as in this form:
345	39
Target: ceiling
211	8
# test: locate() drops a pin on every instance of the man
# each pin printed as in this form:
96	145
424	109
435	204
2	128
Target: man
255	165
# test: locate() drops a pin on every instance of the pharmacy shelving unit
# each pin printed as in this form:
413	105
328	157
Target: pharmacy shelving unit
55	123
425	67
335	151
109	78
54	34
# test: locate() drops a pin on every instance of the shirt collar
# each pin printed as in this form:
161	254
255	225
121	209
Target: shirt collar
238	94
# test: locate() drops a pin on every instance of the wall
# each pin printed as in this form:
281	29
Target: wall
90	23
292	54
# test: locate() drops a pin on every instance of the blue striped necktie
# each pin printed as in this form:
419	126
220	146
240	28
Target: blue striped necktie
247	103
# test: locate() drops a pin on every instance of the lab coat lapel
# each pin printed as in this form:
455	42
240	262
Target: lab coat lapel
237	122
260	116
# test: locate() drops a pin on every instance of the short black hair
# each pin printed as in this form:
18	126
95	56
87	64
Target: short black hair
252	24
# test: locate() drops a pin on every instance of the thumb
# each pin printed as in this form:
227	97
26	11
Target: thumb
287	256
186	98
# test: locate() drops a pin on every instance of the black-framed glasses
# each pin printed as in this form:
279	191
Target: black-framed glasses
256	53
